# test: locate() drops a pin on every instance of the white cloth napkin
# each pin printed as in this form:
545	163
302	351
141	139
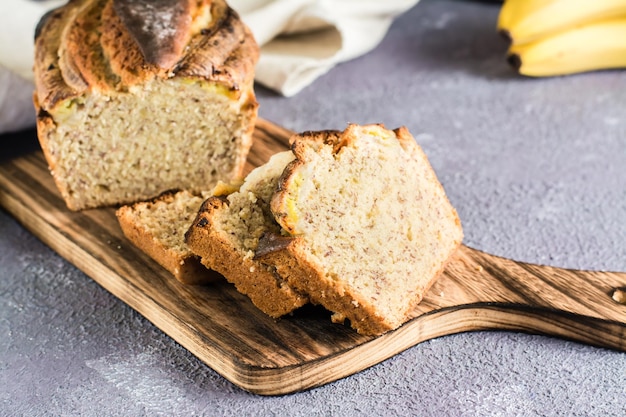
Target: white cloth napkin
300	41
303	39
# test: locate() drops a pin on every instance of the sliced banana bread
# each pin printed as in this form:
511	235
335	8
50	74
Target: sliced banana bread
371	225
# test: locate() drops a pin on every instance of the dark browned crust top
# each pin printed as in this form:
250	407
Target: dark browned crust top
111	45
160	28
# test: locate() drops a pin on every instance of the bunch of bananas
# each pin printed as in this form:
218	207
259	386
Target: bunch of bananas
559	37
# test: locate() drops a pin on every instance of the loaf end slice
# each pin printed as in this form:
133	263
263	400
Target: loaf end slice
372	227
158	227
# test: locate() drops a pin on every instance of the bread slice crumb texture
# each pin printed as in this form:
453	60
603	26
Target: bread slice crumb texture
158	228
226	235
124	148
248	215
165	218
375	222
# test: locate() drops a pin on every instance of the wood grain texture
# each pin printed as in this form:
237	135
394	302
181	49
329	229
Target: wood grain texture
223	329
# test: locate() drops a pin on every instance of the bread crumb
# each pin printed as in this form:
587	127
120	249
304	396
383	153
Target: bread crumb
619	295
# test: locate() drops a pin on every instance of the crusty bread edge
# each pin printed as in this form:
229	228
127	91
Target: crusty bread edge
249	276
291	263
45	126
186	269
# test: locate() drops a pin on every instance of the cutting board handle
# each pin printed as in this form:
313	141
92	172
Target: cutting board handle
586	306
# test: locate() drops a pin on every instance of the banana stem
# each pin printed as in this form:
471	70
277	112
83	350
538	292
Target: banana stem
515	61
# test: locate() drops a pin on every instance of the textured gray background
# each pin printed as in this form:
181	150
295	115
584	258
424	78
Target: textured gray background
536	169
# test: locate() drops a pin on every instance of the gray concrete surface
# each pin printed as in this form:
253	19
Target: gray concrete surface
536	168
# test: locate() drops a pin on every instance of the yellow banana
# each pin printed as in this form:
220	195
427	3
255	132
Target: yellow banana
594	46
524	21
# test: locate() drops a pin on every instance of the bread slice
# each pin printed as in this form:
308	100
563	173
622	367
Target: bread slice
158	228
226	234
136	98
371	227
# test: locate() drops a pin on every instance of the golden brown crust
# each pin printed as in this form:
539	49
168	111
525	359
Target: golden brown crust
51	87
260	284
186	268
95	44
121	53
45	124
81	55
299	143
221	53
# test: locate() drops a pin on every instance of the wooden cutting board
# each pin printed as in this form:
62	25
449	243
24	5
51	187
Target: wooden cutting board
223	329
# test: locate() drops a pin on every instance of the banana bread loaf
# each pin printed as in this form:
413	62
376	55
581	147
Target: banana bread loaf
136	98
371	227
226	234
